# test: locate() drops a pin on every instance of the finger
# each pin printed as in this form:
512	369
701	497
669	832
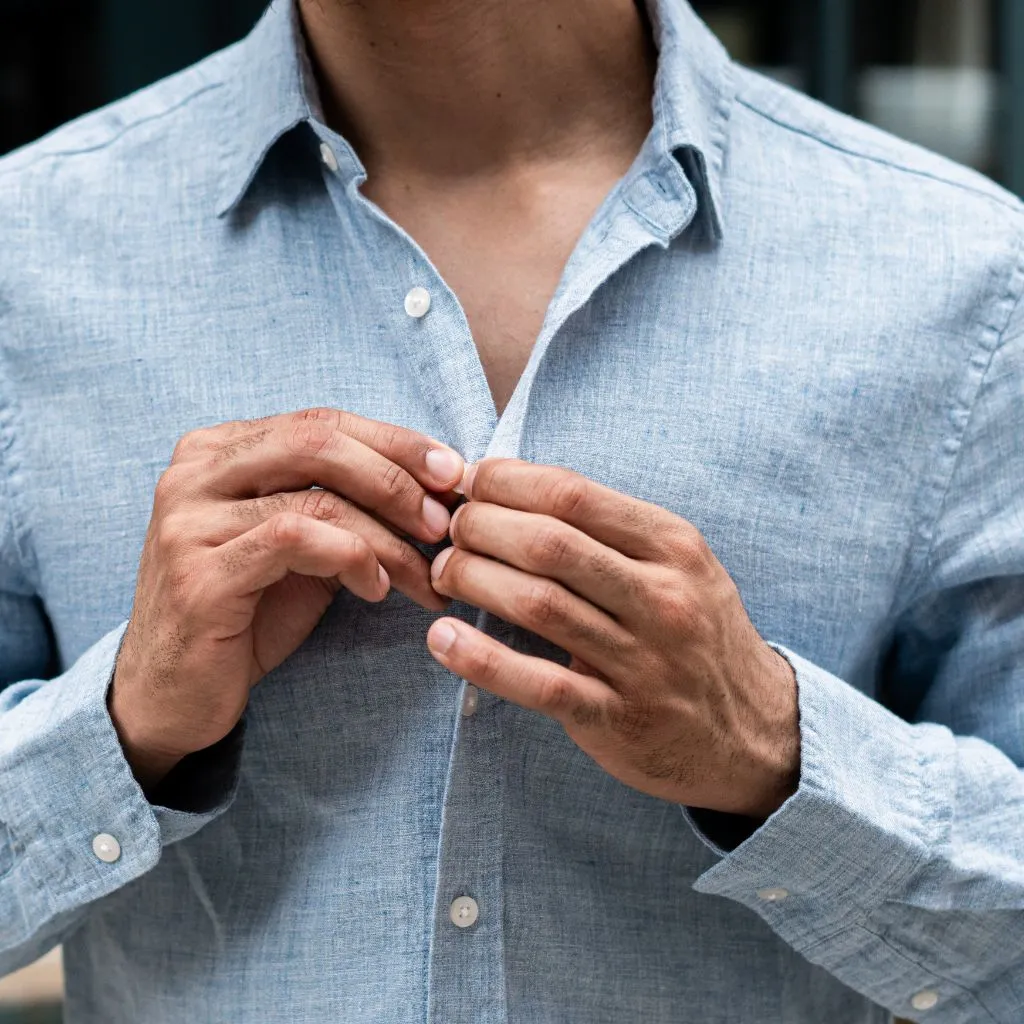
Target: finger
379	466
633	527
544	546
526	680
442	470
407	568
540	605
289	542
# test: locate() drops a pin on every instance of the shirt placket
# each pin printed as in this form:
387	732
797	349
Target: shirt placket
465	980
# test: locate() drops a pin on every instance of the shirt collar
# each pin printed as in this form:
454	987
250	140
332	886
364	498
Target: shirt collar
274	90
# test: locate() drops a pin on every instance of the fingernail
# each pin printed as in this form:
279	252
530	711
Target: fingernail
438	563
444	464
451	525
385	580
441	636
467	479
435	515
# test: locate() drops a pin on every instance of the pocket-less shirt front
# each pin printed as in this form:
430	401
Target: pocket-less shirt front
796	332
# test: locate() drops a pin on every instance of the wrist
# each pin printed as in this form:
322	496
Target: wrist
149	763
776	750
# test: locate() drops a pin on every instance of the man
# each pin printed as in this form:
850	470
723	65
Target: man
706	703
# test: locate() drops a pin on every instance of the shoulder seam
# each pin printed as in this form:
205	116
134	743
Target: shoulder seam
882	161
8	492
45	154
954	444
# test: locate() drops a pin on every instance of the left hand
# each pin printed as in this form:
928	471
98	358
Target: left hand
670	688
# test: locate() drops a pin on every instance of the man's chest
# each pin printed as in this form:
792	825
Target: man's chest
503	257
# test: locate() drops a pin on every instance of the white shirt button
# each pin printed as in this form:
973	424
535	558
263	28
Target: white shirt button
106	847
464	911
328	157
417	302
772	895
470	700
925	1000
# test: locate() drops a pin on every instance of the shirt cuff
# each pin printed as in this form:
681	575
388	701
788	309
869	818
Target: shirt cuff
859	825
80	825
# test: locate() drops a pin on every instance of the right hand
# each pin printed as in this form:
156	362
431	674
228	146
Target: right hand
242	559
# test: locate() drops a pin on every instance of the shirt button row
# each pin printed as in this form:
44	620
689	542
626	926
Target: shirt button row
464	911
106	848
328	157
470	700
417	301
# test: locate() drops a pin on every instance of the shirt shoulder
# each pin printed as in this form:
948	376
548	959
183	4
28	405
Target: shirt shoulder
939	246
147	135
793	122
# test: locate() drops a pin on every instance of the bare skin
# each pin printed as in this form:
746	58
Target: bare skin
243	555
491	132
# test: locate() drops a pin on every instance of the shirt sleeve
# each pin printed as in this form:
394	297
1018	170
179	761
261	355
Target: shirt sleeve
898	864
74	823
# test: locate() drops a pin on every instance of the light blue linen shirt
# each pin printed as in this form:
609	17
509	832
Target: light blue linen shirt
798	333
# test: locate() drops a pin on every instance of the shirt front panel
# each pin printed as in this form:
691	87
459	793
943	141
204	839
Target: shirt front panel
745	384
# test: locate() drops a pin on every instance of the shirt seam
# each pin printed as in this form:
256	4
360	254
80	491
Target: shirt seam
954	446
9	495
43	153
1010	203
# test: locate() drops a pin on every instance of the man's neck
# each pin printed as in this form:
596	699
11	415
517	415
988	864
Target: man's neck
452	89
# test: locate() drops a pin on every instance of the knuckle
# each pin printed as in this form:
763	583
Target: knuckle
406	558
187	444
485	663
287	529
567	495
542	603
322	505
317	414
690	550
549	547
386	437
169	487
170	535
357	552
684	611
309	436
555	694
397	483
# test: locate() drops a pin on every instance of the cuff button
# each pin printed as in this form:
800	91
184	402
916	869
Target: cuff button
925	999
772	895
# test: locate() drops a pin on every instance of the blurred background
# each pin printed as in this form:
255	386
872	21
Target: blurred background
948	74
